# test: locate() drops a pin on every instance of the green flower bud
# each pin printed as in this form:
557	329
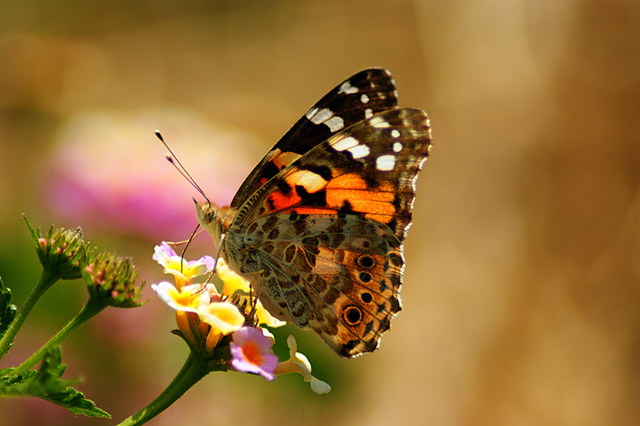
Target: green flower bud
113	280
59	250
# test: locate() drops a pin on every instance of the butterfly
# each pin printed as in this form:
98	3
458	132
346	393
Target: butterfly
317	227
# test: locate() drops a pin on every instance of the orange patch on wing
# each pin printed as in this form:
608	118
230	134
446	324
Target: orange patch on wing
380	218
376	203
280	160
314	210
281	201
374	207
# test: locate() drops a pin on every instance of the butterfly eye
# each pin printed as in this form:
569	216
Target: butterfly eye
352	315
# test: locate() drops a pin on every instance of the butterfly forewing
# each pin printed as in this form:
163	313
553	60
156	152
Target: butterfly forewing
369	169
355	99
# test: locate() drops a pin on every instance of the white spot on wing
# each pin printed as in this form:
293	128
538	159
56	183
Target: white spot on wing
346	87
311	182
345	143
311	113
325	116
385	162
359	151
364	98
413	186
334	123
283	159
368	113
395	133
397	147
379	123
320	116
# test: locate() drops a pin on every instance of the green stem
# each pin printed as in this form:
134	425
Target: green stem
192	371
93	307
47	279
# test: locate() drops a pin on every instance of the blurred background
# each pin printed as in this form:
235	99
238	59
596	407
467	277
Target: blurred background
523	264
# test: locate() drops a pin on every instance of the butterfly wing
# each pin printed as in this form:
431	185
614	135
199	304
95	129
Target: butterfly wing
321	242
355	99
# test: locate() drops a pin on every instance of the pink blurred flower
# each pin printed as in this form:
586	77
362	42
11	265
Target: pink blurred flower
107	172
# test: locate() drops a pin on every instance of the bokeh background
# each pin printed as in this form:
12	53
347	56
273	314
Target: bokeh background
522	287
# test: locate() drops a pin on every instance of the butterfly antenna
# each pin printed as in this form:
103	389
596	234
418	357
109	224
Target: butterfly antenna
179	167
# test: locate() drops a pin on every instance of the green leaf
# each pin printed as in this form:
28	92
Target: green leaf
46	383
7	310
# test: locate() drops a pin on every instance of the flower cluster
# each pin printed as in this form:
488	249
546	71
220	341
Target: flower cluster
113	280
60	251
225	327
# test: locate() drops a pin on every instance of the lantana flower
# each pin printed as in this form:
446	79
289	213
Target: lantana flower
223	326
251	353
60	250
113	280
183	271
298	363
233	283
185	301
223	317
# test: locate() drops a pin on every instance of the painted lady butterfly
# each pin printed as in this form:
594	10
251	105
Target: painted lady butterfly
317	226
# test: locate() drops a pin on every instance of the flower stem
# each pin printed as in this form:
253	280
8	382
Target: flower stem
93	307
192	371
47	279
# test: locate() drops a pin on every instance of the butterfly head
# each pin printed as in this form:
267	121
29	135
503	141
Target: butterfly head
213	219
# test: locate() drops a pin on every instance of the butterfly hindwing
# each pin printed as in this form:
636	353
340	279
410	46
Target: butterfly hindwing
340	276
355	99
